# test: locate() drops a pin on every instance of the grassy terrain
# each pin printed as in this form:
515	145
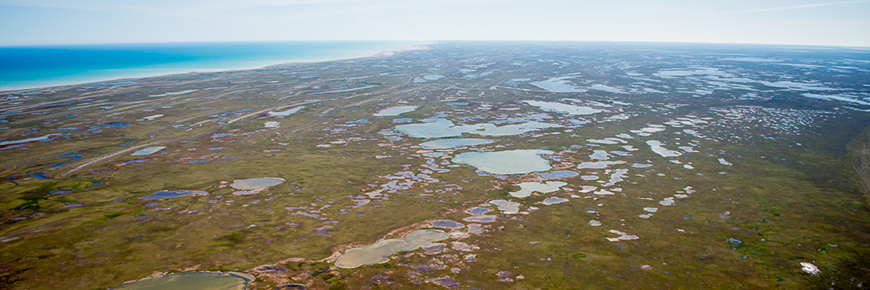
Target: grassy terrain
795	189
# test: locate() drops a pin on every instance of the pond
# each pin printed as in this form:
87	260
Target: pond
597	164
478	211
191	281
506	162
256	183
394	111
526	188
441	128
172	194
656	146
12	142
447	224
148	150
558	174
558	85
507	207
554	200
286	112
380	251
453	143
563	108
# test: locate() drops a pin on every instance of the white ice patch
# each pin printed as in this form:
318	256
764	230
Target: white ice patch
656	146
622	236
810	268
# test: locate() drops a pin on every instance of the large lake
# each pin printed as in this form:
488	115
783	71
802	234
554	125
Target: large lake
39	66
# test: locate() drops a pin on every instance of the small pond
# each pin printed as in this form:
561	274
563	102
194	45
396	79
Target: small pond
563	108
453	143
441	128
506	162
148	150
394	111
190	281
256	183
172	194
527	188
379	252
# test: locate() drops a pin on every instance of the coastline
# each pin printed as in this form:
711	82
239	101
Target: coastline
125	78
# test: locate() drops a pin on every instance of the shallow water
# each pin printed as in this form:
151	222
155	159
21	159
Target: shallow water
440	128
506	162
453	143
12	142
656	146
480	219
148	151
286	112
189	281
478	211
379	252
447	224
563	108
527	188
172	194
394	111
599	155
554	200
507	207
558	174
558	85
434	154
256	183
598	164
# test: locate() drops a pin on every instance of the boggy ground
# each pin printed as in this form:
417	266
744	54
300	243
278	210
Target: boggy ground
763	179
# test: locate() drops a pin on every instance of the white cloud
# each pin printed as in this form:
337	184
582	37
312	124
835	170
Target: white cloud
781	8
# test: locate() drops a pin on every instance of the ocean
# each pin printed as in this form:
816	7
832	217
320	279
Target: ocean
41	66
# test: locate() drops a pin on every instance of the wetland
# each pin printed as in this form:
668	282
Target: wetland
502	166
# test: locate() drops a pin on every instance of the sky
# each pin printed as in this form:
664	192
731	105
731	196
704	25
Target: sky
797	22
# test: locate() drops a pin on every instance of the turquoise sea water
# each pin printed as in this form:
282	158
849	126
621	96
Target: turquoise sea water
40	66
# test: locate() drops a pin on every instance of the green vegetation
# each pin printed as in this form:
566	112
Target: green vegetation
766	179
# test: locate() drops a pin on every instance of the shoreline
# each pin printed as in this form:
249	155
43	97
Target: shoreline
99	80
157	274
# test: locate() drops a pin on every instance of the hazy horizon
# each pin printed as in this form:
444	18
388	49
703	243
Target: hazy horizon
428	42
73	22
